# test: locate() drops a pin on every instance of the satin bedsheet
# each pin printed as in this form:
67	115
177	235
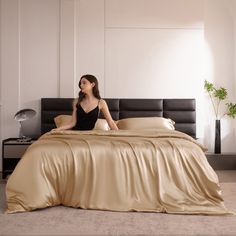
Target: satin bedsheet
147	170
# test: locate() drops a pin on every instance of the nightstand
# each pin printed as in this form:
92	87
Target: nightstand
223	161
12	151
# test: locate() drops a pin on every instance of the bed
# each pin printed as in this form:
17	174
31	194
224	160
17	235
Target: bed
151	169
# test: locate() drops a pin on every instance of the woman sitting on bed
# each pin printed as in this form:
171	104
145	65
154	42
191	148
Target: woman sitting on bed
87	106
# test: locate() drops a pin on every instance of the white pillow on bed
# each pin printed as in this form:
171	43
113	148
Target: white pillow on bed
101	124
61	120
146	123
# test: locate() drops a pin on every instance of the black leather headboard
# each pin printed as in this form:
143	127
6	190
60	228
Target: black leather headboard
182	111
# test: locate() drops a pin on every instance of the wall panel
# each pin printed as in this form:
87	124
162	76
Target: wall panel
10	67
152	62
90	40
154	13
39	53
67	57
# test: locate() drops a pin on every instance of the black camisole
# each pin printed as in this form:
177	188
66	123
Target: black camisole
86	120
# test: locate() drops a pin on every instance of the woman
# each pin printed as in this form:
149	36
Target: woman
87	106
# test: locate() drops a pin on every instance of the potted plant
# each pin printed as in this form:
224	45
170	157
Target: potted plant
217	95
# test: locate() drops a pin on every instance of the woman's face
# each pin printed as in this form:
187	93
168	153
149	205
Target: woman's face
86	86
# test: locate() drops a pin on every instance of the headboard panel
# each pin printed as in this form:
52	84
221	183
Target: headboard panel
182	111
140	108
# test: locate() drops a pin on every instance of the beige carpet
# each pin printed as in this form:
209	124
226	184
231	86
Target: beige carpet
68	221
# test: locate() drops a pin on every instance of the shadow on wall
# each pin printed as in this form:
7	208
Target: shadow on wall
31	128
209	137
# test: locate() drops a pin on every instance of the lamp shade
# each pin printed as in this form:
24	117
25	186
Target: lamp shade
24	114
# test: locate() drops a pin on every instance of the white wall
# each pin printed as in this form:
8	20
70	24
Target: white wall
37	57
151	47
220	64
136	48
90	41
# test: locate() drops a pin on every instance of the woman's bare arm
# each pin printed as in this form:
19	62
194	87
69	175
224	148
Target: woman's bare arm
104	108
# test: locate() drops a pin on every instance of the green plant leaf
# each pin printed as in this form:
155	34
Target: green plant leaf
217	96
209	87
231	109
220	93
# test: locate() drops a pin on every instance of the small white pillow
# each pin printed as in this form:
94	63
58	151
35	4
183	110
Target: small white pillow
101	124
146	123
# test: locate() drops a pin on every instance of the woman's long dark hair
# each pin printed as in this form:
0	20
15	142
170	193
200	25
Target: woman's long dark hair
91	79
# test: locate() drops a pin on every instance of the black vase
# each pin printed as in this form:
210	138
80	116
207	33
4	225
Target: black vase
217	137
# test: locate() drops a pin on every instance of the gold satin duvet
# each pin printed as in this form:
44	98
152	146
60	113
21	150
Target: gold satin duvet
147	170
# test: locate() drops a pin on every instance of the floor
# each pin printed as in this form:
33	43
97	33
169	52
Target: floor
226	176
69	221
